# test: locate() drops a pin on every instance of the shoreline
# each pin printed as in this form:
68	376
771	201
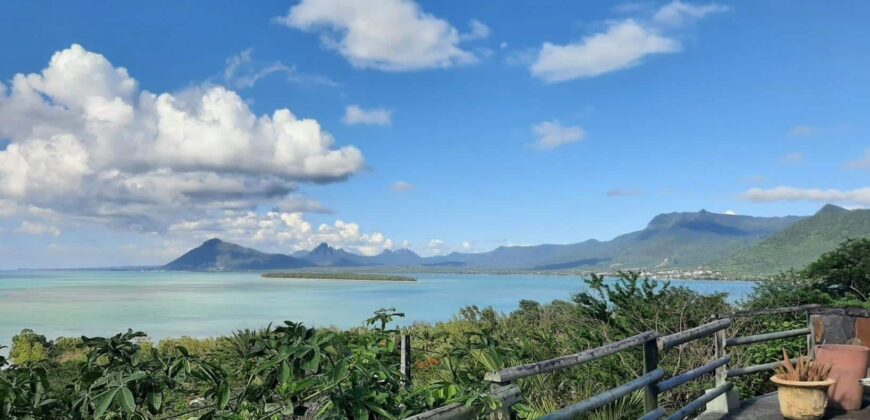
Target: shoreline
348	276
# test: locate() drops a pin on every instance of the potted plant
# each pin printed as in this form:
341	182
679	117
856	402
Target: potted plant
803	388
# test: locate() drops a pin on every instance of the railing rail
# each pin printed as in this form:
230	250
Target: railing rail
692	334
508	395
517	372
604	398
652	380
760	338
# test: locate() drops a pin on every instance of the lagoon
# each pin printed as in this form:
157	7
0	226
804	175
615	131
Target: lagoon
173	304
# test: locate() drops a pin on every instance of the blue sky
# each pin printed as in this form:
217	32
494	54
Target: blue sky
439	125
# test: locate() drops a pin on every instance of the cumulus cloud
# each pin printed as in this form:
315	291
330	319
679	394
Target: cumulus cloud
435	247
86	141
623	44
288	231
33	228
354	115
552	134
730	212
390	35
402	186
859	196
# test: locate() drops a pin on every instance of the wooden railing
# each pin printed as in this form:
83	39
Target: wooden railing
652	382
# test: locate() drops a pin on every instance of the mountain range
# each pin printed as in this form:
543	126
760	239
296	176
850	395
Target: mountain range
733	244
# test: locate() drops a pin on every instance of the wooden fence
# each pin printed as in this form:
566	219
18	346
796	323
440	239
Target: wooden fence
652	381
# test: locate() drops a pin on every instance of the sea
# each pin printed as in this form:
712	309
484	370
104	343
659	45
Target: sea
73	303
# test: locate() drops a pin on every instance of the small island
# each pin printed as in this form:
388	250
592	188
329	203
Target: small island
338	276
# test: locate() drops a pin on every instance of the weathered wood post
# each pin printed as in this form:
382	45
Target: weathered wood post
405	360
729	400
650	364
721	372
503	412
811	337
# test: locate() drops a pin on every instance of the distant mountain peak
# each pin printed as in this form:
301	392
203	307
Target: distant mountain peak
217	255
323	250
831	209
213	241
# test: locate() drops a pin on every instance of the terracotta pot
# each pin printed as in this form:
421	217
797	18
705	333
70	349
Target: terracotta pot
802	400
848	366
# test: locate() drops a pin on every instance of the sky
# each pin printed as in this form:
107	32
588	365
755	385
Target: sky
131	132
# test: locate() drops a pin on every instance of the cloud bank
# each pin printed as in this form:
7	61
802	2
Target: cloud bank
86	142
860	196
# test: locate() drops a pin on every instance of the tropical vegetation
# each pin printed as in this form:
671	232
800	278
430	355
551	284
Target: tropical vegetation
293	371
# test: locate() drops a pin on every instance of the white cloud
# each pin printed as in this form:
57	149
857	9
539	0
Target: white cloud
859	196
391	35
435	247
242	72
861	163
678	13
479	30
87	142
730	212
283	231
402	186
466	246
623	44
792	158
552	134
354	115
802	130
33	228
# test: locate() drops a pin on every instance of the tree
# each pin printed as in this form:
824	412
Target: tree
28	347
845	271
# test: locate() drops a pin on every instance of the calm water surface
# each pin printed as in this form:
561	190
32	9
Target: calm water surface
172	304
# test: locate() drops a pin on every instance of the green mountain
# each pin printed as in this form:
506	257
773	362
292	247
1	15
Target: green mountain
799	244
686	239
217	255
739	245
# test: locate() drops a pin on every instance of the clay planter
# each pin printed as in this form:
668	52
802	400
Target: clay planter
848	366
803	400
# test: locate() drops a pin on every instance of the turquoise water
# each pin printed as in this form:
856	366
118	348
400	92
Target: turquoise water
172	304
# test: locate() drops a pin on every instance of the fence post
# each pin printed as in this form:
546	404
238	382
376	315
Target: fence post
405	360
720	352
650	363
730	400
503	412
811	337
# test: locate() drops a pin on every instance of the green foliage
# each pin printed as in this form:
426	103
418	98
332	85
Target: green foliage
801	243
291	370
28	347
845	271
